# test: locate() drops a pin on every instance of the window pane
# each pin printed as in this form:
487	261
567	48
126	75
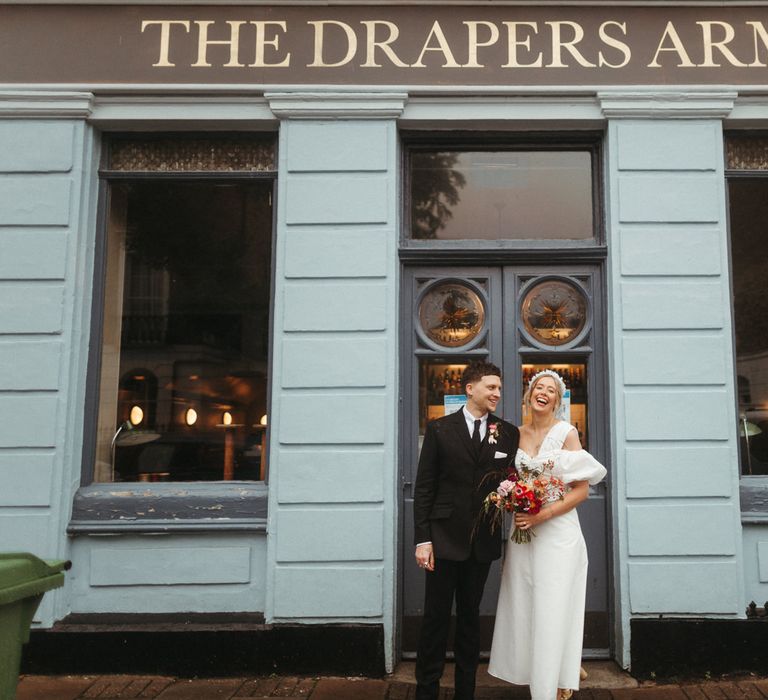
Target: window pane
186	320
749	256
501	195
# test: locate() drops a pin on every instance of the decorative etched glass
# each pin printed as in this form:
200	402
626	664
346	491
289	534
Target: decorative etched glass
554	312
746	152
451	314
198	154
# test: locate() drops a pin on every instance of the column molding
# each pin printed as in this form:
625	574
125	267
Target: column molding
336	105
677	104
50	104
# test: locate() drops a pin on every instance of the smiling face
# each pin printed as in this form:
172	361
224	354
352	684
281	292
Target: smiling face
544	396
483	395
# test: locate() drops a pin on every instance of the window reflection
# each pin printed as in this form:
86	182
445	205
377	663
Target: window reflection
501	195
749	258
186	325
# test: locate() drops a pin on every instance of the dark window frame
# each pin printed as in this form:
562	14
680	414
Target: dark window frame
501	251
136	507
753	488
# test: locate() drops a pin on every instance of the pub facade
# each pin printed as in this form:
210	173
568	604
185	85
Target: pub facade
246	252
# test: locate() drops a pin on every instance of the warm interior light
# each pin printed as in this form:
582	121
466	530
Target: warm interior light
190	417
263	420
226	418
136	415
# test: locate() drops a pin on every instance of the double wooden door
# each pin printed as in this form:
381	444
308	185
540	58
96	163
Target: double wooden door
523	319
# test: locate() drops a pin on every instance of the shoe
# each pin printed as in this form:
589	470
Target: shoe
564	694
583	673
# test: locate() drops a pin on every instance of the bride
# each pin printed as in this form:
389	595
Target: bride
537	637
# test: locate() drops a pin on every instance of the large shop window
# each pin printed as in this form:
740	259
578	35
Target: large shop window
747	157
545	192
186	310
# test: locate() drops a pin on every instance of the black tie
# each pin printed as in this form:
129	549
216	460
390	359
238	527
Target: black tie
476	437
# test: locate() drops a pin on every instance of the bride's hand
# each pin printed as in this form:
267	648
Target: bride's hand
525	521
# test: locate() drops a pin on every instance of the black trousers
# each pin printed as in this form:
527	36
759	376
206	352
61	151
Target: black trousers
464	580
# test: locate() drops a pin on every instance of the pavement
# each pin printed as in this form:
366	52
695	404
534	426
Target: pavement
606	681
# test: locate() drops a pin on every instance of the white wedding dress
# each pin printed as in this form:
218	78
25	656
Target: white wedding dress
537	638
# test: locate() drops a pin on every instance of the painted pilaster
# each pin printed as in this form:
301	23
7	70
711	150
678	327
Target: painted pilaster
675	441
332	477
46	153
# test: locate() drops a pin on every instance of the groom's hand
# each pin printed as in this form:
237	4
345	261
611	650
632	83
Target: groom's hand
425	557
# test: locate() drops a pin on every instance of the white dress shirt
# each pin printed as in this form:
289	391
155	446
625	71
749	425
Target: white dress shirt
470	419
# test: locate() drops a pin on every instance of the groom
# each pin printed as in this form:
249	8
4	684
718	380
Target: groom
454	544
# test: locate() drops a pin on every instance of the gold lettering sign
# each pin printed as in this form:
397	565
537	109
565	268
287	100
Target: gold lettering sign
383	45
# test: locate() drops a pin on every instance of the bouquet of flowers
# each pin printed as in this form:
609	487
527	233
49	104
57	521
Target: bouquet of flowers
526	491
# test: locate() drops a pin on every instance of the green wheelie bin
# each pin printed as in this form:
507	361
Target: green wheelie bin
23	580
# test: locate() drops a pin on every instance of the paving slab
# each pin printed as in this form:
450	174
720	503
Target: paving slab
350	689
49	687
601	674
258	687
663	692
750	690
156	686
209	689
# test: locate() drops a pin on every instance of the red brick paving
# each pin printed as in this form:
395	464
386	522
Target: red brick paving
216	689
342	689
750	691
50	687
262	688
155	687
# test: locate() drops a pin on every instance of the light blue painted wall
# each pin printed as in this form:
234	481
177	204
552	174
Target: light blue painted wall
48	186
214	572
677	507
332	515
45	199
755	543
330	551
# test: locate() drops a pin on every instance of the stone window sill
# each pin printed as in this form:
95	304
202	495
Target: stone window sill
754	500
174	508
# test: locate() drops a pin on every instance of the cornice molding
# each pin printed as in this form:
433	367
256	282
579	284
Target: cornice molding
30	104
336	105
180	109
679	104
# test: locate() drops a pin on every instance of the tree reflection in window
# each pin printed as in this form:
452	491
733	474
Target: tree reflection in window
435	186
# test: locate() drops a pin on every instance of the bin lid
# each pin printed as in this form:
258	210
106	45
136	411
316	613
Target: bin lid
23	575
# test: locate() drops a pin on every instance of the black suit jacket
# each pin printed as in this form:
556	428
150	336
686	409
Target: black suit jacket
451	485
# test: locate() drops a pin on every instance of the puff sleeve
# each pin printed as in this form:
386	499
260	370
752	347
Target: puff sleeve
578	465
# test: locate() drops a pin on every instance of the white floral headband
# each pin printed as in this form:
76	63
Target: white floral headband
549	373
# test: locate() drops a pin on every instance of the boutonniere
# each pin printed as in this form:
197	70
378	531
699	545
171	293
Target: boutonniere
493	433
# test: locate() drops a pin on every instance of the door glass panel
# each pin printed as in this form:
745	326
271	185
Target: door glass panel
488	195
440	389
575	377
